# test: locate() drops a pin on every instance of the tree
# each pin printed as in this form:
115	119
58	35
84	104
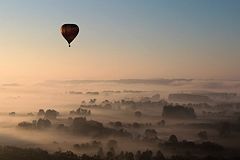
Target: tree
112	143
51	114
92	101
150	133
41	112
138	114
26	125
159	156
178	111
147	155
203	135
129	156
224	129
12	114
30	114
100	153
138	155
162	123
43	123
173	139
118	124
110	154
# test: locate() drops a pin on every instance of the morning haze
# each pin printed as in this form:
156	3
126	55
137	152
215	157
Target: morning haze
142	80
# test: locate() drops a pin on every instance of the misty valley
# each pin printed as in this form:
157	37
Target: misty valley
121	120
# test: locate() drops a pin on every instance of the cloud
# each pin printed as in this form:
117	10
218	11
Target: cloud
11	85
13	97
75	92
154	81
214	85
123	81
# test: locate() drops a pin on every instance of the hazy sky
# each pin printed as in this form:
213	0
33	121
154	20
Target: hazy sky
120	39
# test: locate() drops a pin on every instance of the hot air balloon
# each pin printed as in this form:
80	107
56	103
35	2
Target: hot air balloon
69	32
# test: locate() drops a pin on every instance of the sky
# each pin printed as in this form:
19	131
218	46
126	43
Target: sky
197	39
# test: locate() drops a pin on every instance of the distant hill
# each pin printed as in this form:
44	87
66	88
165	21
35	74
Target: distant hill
184	97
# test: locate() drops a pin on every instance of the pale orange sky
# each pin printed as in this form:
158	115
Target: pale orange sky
119	40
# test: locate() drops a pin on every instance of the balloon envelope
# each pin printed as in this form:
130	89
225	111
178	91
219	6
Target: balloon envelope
69	32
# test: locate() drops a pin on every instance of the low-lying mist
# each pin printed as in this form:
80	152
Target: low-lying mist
124	115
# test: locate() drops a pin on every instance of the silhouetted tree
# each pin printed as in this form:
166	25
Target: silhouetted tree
138	114
110	154
41	112
112	143
129	156
159	156
173	139
203	135
138	155
43	123
12	114
100	152
162	123
26	125
178	111
146	155
150	134
51	114
30	114
92	101
224	129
